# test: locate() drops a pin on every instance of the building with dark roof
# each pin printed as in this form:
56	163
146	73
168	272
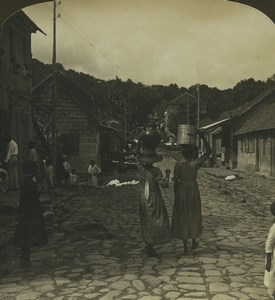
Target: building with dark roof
243	137
16	81
80	134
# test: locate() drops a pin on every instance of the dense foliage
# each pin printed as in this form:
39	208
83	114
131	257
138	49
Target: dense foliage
137	100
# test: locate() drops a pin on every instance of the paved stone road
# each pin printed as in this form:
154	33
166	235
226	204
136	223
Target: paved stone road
98	252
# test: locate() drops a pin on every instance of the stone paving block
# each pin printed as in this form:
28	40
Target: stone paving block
172	295
28	296
195	280
193	287
223	297
218	287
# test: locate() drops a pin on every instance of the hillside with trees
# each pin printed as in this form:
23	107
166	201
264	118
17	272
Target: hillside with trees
142	100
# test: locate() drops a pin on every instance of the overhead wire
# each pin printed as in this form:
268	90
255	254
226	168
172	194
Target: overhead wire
91	44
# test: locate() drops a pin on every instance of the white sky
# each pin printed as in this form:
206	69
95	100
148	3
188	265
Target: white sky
214	42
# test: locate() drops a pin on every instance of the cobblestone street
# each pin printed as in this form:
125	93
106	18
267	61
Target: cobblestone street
97	252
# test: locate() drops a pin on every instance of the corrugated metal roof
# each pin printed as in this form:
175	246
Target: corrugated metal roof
263	119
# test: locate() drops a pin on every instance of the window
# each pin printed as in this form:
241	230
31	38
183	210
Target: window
266	145
70	143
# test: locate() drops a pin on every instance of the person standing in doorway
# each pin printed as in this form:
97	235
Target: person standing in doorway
93	171
12	163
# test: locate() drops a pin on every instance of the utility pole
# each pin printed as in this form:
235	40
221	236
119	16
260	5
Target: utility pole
198	118
188	111
125	122
54	148
198	94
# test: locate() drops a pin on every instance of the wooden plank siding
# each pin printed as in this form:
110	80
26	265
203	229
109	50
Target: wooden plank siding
261	158
70	120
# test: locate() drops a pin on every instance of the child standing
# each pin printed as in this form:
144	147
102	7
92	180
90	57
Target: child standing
269	278
48	181
93	171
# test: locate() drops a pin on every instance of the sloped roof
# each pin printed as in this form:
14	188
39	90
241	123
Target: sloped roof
78	96
24	19
239	111
262	120
181	99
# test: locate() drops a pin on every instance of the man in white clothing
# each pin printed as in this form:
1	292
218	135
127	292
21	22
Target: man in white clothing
12	161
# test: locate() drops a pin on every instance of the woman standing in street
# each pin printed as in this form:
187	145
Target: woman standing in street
30	227
155	226
187	215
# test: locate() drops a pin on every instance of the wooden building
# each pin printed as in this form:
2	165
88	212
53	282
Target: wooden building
77	125
16	82
175	105
255	136
242	137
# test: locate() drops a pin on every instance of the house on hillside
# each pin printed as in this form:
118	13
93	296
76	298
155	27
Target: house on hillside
77	125
179	102
232	139
16	81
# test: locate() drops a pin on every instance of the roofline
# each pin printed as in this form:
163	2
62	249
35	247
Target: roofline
190	95
94	120
32	26
253	130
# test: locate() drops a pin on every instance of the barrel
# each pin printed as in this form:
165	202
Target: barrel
186	135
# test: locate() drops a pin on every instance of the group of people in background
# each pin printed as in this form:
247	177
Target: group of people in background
9	168
9	177
30	226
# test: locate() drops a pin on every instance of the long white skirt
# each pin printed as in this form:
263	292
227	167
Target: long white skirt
93	181
269	277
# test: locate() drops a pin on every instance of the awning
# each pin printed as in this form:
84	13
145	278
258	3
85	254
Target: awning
214	124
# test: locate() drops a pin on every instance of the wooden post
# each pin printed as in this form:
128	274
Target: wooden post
125	123
188	111
54	90
198	118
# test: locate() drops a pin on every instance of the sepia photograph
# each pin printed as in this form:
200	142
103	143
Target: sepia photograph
137	149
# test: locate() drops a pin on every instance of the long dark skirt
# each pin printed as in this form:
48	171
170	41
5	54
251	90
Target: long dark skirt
30	229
